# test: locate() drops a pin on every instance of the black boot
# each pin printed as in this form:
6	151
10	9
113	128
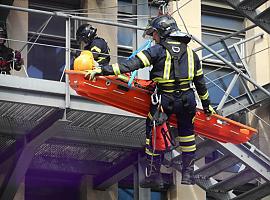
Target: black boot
188	169
153	177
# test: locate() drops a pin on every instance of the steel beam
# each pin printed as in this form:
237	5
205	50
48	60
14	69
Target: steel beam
120	170
216	166
12	149
250	14
49	93
243	102
144	193
235	180
256	193
261	167
36	137
80	167
91	138
64	15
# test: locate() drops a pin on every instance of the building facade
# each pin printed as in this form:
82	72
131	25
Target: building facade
208	20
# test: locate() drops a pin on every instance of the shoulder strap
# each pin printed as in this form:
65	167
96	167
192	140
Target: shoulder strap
177	50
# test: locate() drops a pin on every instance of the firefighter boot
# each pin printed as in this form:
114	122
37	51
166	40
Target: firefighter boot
153	177
188	169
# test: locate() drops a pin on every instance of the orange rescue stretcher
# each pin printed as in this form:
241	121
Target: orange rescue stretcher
111	91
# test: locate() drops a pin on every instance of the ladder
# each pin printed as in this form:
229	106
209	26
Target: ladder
250	9
235	166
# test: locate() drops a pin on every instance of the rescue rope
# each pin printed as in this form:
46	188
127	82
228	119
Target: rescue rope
154	102
146	45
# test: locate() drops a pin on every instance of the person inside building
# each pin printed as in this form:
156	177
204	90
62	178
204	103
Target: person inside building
9	58
97	45
175	69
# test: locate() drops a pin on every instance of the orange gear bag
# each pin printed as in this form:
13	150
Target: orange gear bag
163	137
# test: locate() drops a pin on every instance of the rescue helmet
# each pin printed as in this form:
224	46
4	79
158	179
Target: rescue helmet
3	34
86	33
164	25
85	61
181	36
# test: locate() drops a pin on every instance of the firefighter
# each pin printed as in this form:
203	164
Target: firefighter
8	57
175	69
98	46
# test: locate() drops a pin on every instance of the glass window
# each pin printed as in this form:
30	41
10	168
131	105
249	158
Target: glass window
123	54
222	79
56	25
125	35
222	21
209	38
218	25
45	61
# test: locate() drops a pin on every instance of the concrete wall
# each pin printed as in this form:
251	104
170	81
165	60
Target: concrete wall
17	26
185	192
191	15
109	33
259	67
88	193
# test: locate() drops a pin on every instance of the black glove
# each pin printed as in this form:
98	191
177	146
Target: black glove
208	109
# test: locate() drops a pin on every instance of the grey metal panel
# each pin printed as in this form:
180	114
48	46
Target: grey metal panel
251	4
100	127
256	193
248	158
5	142
206	147
121	169
264	16
77	151
44	131
217	166
68	165
18	118
251	15
238	179
48	93
232	106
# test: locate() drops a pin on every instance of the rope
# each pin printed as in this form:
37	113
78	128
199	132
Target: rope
146	45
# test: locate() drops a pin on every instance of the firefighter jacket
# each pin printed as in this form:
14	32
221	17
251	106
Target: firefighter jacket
99	48
175	67
6	60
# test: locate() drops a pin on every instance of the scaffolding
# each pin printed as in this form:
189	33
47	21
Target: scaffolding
46	108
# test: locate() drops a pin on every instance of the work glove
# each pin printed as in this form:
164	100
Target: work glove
209	110
90	74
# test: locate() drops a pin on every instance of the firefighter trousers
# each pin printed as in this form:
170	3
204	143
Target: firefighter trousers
183	105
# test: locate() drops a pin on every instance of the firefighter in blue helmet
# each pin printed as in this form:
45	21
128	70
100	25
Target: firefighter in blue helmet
98	46
175	69
8	57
